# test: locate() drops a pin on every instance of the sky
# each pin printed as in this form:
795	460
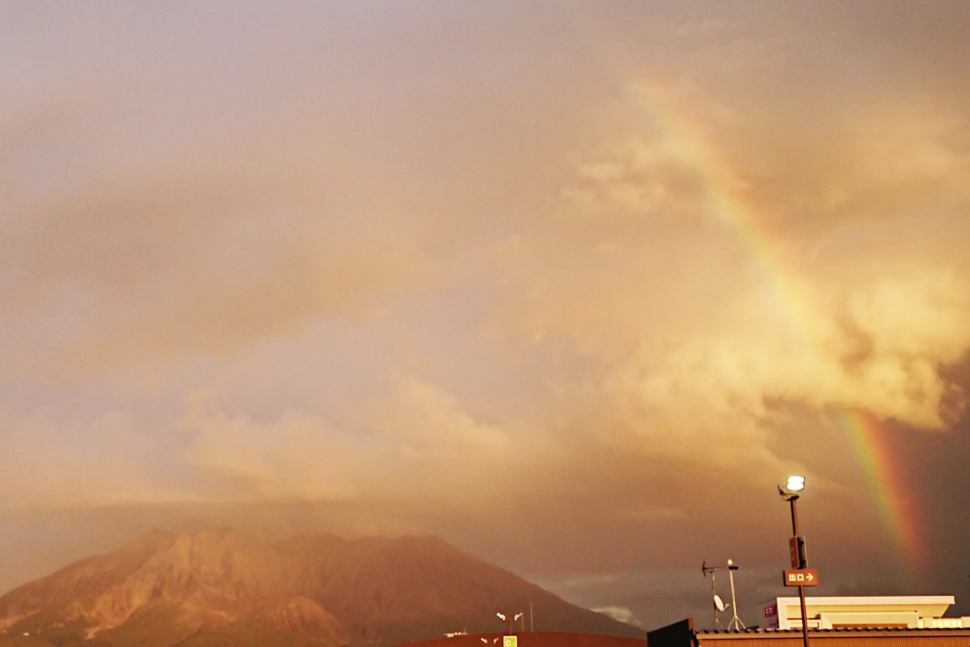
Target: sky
571	285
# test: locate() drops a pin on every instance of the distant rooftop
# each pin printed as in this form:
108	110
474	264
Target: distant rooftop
848	612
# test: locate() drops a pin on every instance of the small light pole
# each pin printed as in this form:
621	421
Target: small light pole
736	621
510	619
790	493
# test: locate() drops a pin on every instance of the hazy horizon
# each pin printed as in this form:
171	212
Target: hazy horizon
573	286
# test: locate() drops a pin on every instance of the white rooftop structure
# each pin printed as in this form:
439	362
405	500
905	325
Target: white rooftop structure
909	611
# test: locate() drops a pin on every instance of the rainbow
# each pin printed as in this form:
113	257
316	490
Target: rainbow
725	195
884	479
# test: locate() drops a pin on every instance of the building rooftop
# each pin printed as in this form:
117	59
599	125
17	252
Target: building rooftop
844	612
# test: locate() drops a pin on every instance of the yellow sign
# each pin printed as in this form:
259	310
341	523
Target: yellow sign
510	641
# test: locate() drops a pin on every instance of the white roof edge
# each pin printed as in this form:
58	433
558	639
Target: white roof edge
874	599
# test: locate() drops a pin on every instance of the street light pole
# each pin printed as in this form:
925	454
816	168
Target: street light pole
802	563
510	619
790	493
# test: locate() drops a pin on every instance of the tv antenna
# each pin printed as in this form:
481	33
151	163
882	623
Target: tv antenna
719	606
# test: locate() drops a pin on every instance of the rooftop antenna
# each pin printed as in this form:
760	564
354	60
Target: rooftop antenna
735	621
719	605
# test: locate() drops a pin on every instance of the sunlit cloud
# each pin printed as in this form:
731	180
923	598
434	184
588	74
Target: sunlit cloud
543	290
109	460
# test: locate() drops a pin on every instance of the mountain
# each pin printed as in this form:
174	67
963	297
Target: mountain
215	587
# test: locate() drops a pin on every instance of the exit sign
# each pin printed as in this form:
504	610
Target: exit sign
801	577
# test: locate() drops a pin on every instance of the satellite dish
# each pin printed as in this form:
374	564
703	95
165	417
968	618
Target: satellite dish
719	603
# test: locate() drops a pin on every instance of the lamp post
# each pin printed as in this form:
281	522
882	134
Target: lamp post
790	493
510	619
736	621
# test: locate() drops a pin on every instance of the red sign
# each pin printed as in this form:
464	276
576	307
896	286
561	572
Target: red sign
801	577
793	549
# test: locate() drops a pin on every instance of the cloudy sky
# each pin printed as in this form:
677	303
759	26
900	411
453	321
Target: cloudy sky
571	285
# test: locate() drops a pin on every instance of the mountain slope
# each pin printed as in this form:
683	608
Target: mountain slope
217	588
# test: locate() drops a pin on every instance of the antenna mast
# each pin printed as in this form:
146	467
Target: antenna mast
735	624
718	603
735	621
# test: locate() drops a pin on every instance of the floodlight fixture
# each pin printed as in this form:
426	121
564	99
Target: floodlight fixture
793	488
796	483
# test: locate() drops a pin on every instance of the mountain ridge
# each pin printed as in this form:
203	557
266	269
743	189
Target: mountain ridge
218	587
